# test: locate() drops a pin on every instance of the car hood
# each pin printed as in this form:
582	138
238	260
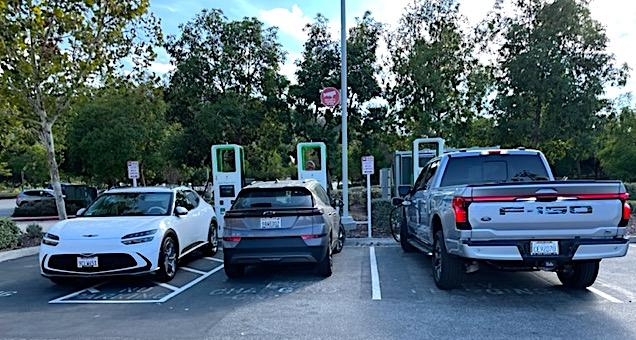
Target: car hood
104	227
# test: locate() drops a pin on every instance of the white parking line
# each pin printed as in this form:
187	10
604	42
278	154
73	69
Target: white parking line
192	270
60	299
192	283
604	295
165	285
621	290
375	277
212	259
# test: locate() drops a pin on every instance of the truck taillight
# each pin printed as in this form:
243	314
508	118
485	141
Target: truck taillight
460	207
627	213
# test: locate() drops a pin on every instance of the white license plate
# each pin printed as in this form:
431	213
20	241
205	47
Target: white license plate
87	262
270	222
544	247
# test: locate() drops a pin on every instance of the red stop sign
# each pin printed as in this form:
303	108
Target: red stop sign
330	96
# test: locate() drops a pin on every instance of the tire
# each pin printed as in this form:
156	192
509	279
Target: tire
582	275
404	238
448	269
325	266
212	247
342	236
168	255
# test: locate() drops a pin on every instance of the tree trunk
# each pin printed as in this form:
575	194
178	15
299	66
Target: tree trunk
47	139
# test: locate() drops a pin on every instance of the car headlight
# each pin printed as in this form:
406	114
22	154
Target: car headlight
50	239
140	237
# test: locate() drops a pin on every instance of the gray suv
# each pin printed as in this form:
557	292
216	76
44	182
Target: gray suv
282	222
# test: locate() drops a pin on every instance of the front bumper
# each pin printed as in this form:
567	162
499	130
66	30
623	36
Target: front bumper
114	258
275	250
519	250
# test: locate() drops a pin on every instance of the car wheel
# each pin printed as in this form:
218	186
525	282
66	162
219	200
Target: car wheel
342	236
325	266
581	275
404	238
212	247
167	259
448	269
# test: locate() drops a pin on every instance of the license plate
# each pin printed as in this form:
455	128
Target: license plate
270	222
87	262
544	247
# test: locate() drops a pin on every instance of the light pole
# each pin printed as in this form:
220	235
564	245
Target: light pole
346	220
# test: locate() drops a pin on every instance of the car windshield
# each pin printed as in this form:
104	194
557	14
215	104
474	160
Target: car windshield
274	198
494	169
130	204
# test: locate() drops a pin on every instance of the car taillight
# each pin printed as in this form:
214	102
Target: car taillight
309	237
460	207
232	238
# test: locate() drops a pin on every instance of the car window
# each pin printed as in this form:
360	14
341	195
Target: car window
420	184
322	195
182	201
494	169
193	198
130	204
274	198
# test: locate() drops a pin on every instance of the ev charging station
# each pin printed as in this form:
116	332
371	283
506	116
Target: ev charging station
227	178
312	162
418	165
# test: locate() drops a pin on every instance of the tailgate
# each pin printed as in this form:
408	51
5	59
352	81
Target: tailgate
273	222
547	209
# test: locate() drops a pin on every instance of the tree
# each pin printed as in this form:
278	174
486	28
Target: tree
226	81
435	91
552	68
618	153
116	125
52	51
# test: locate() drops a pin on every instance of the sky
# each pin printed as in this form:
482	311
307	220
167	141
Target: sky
290	16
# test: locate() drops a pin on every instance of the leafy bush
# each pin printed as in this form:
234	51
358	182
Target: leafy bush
34	231
631	189
380	212
9	234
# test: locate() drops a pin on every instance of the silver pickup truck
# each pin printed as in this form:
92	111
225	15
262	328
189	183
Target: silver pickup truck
504	208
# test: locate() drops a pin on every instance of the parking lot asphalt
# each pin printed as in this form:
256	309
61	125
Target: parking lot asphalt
293	302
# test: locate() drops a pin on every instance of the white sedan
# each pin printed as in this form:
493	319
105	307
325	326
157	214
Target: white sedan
130	231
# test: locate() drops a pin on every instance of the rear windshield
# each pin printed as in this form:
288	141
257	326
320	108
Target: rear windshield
494	169
274	198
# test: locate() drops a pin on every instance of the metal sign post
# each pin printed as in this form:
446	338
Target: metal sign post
368	169
133	171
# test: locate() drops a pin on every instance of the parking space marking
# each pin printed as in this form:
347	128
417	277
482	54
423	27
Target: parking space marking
623	291
192	283
375	277
165	285
604	295
192	270
68	299
633	245
212	259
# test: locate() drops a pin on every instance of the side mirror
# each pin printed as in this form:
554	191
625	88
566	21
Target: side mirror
399	201
180	211
337	203
404	190
80	212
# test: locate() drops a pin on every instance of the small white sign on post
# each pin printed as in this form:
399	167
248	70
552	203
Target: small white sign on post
133	171
368	169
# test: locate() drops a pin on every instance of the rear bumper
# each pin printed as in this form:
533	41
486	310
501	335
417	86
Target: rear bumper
276	250
519	250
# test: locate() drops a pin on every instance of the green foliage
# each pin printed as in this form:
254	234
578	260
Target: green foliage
553	68
225	84
9	234
618	155
118	124
381	211
34	231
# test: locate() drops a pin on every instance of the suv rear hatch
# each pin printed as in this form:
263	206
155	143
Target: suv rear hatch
273	212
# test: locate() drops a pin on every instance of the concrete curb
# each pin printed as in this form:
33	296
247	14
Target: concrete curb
18	253
367	242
